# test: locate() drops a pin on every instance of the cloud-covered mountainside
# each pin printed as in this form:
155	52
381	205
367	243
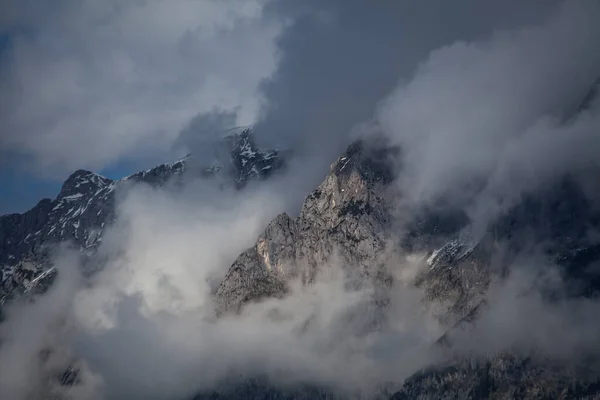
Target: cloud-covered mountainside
362	295
451	251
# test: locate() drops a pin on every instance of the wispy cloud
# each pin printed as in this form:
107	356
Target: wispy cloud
85	84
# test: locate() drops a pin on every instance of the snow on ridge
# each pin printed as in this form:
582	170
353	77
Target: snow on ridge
168	166
42	275
180	161
73	196
454	250
82	177
247	151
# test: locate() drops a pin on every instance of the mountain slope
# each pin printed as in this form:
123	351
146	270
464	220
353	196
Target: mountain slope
351	215
346	214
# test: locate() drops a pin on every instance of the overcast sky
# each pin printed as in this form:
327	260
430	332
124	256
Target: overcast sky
110	85
472	90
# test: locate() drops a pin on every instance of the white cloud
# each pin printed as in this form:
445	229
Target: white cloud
491	111
86	83
145	323
171	249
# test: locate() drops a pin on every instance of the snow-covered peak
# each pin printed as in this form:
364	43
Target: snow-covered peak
86	205
82	181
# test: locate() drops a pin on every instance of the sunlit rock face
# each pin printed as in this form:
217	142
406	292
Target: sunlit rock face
346	215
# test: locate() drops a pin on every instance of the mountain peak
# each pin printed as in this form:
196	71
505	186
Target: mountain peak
372	161
82	181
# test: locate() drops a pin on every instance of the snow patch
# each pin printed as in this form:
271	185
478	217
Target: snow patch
432	257
73	196
456	249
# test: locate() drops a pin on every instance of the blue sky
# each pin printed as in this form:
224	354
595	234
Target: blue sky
20	191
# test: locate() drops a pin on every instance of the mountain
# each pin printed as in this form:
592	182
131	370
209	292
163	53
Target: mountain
352	219
85	206
351	215
347	212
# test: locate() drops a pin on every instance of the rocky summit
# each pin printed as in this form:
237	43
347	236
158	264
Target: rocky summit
347	213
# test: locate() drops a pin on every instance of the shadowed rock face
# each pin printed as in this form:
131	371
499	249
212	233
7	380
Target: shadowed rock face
558	217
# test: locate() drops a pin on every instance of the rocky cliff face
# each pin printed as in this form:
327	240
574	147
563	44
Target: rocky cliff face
346	215
351	215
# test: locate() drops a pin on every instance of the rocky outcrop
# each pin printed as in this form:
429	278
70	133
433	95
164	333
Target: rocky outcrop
78	215
554	222
248	162
346	215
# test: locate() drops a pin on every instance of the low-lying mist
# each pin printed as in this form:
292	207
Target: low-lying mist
144	325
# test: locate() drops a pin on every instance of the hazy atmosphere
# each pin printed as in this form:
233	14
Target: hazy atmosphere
490	105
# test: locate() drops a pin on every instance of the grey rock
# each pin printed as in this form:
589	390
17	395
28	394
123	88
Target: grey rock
346	215
261	270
